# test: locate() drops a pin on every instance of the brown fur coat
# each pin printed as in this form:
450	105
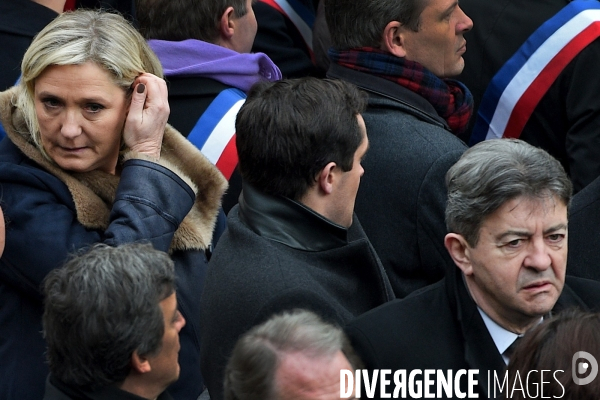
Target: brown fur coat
94	192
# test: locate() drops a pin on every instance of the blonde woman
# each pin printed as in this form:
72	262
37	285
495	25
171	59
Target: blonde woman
90	159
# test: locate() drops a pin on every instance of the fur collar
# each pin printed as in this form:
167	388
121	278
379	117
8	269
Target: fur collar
94	192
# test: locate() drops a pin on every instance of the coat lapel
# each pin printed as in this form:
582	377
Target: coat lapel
480	350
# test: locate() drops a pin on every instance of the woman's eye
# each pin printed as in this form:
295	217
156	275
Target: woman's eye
51	103
94	108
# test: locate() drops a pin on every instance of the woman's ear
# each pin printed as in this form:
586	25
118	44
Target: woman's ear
393	39
458	248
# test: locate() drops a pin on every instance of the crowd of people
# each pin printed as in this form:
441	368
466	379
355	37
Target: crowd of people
242	199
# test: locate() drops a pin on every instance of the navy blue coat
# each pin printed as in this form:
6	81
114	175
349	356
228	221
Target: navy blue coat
51	213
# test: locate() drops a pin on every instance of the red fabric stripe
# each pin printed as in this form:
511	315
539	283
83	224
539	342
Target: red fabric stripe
229	159
540	85
274	5
69	5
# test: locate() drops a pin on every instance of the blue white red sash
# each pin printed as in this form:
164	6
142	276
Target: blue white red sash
302	18
214	133
519	85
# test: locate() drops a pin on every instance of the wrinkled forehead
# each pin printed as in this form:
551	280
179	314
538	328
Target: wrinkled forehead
527	210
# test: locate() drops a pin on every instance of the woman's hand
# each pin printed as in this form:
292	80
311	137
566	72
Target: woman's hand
148	115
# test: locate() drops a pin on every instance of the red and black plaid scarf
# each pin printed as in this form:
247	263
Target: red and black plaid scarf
450	98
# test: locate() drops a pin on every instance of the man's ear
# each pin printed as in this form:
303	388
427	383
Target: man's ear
327	177
140	364
393	39
227	25
458	248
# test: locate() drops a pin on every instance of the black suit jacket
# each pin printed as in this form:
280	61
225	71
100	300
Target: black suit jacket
439	327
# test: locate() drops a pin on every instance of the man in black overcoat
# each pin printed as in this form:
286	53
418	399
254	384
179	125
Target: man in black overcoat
293	240
507	223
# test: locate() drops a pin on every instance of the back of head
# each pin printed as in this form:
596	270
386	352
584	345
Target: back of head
360	23
250	373
552	346
493	172
287	131
177	20
82	36
100	307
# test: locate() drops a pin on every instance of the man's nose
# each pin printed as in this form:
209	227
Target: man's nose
538	256
465	24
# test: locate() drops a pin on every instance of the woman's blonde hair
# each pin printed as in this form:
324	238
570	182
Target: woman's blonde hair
78	37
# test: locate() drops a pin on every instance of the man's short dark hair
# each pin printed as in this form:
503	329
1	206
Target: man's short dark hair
360	23
288	131
101	307
177	20
250	372
494	172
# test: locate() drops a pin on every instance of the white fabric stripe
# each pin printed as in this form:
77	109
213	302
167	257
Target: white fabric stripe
534	66
302	26
222	134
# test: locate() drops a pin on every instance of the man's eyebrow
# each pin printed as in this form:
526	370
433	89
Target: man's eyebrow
555	228
503	235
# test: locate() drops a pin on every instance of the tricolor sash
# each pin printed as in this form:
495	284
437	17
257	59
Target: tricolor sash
214	133
302	18
524	79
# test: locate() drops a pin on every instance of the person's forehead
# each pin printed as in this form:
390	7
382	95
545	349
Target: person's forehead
304	377
169	305
524	210
435	6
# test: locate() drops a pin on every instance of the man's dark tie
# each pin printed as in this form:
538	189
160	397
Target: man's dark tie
510	349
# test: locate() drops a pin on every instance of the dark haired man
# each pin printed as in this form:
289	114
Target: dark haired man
401	52
292	241
507	218
202	46
121	339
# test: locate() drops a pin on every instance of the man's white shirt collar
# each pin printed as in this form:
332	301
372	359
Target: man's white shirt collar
501	337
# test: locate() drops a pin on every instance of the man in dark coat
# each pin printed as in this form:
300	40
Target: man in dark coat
555	103
412	117
285	33
507	218
204	49
120	340
292	241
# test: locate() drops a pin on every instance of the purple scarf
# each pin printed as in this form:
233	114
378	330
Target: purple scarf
194	57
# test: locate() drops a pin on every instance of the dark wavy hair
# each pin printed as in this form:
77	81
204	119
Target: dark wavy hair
101	307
